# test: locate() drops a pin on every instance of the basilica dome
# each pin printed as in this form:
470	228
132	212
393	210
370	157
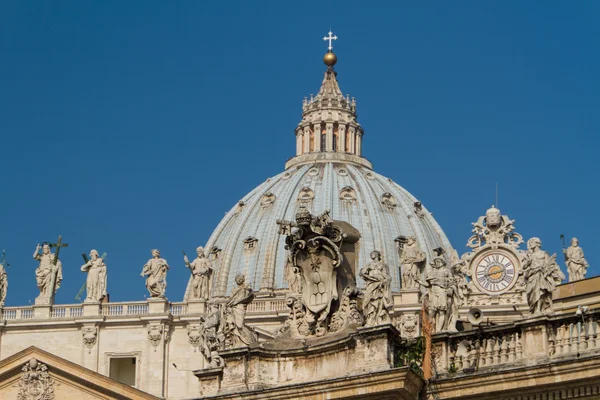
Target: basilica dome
327	173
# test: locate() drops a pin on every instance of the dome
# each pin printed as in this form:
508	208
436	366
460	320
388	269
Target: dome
327	173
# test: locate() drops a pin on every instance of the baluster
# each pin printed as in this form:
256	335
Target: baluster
585	328
451	362
488	351
519	346
560	334
593	335
504	350
496	353
481	353
572	343
460	363
511	348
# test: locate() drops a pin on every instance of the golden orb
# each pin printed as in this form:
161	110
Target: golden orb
330	59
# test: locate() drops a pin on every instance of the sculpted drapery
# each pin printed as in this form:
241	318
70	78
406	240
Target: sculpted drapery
45	271
96	278
576	264
155	271
377	298
202	270
541	274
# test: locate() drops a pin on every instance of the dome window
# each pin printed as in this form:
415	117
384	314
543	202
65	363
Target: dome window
267	200
250	243
419	209
313	171
348	194
306	195
342	172
388	201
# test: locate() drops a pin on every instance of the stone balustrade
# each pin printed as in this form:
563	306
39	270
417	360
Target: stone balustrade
119	309
520	343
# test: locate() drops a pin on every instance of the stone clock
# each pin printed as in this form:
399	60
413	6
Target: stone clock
495	271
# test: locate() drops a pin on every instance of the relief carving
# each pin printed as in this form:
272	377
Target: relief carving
36	383
89	335
155	333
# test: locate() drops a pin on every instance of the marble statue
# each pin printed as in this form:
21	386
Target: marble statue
412	260
209	331
541	274
155	271
46	273
202	270
576	264
377	297
440	288
234	328
96	278
456	293
292	275
3	284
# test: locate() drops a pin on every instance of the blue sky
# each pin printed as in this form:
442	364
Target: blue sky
126	126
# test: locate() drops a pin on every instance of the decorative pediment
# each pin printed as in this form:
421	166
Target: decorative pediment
35	374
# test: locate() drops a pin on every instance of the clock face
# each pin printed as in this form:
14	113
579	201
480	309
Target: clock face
495	271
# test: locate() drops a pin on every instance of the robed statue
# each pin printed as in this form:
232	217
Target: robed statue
234	328
202	270
47	274
542	274
95	283
412	260
377	297
576	264
155	271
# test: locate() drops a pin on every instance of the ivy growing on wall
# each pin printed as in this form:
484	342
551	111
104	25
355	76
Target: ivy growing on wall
410	353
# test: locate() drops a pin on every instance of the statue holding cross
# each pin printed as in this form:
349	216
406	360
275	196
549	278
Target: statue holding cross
48	274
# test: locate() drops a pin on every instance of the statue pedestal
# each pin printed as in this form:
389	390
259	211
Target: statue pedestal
277	362
406	296
91	309
41	311
210	380
157	305
197	306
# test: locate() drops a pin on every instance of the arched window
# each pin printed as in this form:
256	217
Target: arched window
334	147
323	141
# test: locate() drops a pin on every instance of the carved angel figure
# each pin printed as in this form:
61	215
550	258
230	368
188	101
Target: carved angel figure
541	274
155	271
412	260
202	270
576	264
377	300
96	278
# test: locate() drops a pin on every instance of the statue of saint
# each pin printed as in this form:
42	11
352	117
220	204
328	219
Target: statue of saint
155	271
440	284
411	260
235	330
201	273
576	264
46	273
377	300
209	328
3	285
541	274
95	284
292	275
